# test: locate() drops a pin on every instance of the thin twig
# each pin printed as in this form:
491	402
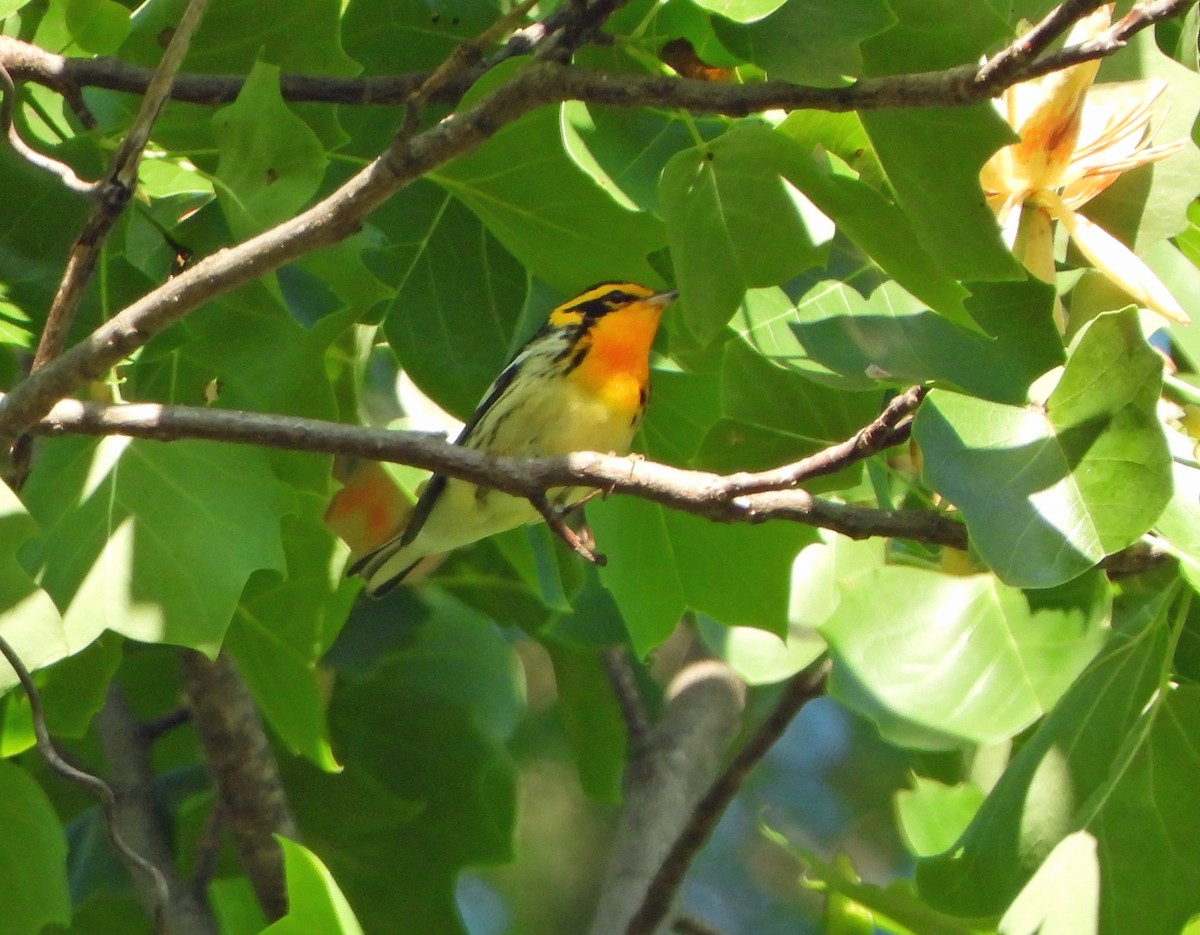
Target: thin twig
114	191
61	170
134	862
690	925
799	691
465	58
620	674
338	215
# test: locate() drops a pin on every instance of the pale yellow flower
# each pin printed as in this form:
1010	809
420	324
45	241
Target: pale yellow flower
1075	140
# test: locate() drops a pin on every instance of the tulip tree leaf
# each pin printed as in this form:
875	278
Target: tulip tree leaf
533	205
150	540
726	238
808	41
315	904
932	157
1115	758
271	162
959	660
1047	490
890	335
458	296
33	855
29	621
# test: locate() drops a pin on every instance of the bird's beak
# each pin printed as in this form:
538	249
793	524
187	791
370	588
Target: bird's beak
664	298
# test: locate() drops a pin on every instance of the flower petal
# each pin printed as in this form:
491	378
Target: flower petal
1120	265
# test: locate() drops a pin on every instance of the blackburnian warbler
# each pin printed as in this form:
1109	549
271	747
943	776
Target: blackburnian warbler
580	384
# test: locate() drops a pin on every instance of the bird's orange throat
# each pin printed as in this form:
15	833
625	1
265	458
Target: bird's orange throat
617	365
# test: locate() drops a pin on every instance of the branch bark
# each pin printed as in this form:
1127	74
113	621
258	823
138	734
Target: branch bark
249	789
666	778
751	497
661	892
139	820
540	83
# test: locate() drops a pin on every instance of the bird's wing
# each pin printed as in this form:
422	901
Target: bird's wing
437	483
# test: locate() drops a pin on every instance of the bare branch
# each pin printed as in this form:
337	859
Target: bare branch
538	84
63	171
799	691
127	752
963	85
139	867
741	497
665	779
253	802
111	195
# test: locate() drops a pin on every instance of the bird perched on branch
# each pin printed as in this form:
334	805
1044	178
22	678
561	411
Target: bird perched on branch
580	384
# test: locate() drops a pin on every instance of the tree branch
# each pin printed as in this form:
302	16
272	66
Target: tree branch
666	777
252	800
127	751
799	691
741	497
967	84
538	84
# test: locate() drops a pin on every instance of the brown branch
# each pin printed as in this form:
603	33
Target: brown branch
138	866
799	691
139	819
665	779
253	802
740	497
339	214
111	195
962	85
619	670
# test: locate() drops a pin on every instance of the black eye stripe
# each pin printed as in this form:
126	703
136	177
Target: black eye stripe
597	308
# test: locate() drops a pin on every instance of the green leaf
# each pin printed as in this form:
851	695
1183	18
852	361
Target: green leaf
662	562
533	198
960	660
1114	759
591	718
29	621
734	223
1063	897
258	358
294	35
890	335
33	856
624	149
933	815
1049	489
97	26
271	163
932	157
150	540
284	626
422	739
411	35
315	904
458	296
741	11
808	41
876	225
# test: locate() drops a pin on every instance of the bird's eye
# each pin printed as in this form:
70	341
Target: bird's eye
616	297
